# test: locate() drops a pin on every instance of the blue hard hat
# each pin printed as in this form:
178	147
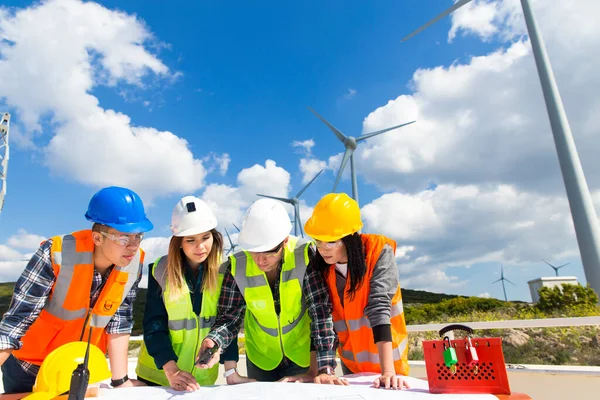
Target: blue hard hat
119	208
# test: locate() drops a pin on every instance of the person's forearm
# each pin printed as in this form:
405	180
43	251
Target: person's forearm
313	368
230	364
386	358
118	348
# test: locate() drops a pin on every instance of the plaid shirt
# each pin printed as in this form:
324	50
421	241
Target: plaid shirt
232	307
31	295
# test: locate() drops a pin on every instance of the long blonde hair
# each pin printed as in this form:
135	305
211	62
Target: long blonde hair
176	274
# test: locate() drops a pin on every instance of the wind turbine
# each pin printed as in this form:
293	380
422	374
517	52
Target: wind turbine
296	203
235	226
502	278
232	246
4	155
585	220
350	143
556	268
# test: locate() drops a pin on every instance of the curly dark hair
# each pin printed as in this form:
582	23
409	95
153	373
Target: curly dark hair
357	267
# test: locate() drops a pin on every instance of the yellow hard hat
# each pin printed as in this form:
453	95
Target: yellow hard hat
55	373
336	215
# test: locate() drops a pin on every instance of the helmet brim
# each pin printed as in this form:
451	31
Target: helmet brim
195	231
136	227
252	247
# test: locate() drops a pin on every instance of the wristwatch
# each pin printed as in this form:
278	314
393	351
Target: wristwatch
118	382
229	372
326	370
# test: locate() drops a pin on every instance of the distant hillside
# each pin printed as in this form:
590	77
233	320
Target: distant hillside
408	297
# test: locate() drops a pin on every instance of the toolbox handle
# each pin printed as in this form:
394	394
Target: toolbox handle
456	327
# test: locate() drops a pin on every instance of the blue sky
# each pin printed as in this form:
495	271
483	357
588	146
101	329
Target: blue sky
473	184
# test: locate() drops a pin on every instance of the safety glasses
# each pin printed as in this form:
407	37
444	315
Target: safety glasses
124	240
328	245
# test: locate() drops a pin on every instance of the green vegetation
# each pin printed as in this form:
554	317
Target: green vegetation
576	301
572	345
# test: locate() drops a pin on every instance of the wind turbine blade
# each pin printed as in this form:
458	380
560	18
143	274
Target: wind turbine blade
497	281
308	184
235	226
347	155
509	282
336	131
368	135
276	198
229	237
564	265
455	7
297	218
548	263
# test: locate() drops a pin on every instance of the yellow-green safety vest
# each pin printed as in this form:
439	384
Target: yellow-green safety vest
268	336
186	331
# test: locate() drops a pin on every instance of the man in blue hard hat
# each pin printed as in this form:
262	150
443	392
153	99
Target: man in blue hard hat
79	286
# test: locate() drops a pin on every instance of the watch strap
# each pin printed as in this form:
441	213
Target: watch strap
119	382
229	372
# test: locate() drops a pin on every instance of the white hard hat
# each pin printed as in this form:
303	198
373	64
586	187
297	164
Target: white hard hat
192	216
265	225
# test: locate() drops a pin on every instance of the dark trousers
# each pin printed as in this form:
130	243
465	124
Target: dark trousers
286	368
14	378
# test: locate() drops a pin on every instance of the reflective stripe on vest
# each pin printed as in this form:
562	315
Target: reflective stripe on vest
356	324
63	318
357	349
368	357
243	281
186	330
68	259
270	336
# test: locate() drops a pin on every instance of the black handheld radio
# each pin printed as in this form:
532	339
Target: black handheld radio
81	376
207	355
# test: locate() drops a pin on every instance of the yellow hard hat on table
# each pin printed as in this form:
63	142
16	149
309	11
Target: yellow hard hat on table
336	215
55	372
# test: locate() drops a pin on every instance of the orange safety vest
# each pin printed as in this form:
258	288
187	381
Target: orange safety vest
357	347
65	317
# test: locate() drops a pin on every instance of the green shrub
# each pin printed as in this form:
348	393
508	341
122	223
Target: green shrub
567	296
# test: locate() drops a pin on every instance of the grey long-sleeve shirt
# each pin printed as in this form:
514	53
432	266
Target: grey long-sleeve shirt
383	286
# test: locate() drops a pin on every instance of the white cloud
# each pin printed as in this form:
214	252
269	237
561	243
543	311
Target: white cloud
482	135
485	295
90	46
9	254
230	202
457	226
217	162
24	240
305	146
12	260
483	120
351	93
311	167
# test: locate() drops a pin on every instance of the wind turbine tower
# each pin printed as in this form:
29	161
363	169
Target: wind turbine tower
232	245
350	144
585	220
555	268
296	204
502	278
4	155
